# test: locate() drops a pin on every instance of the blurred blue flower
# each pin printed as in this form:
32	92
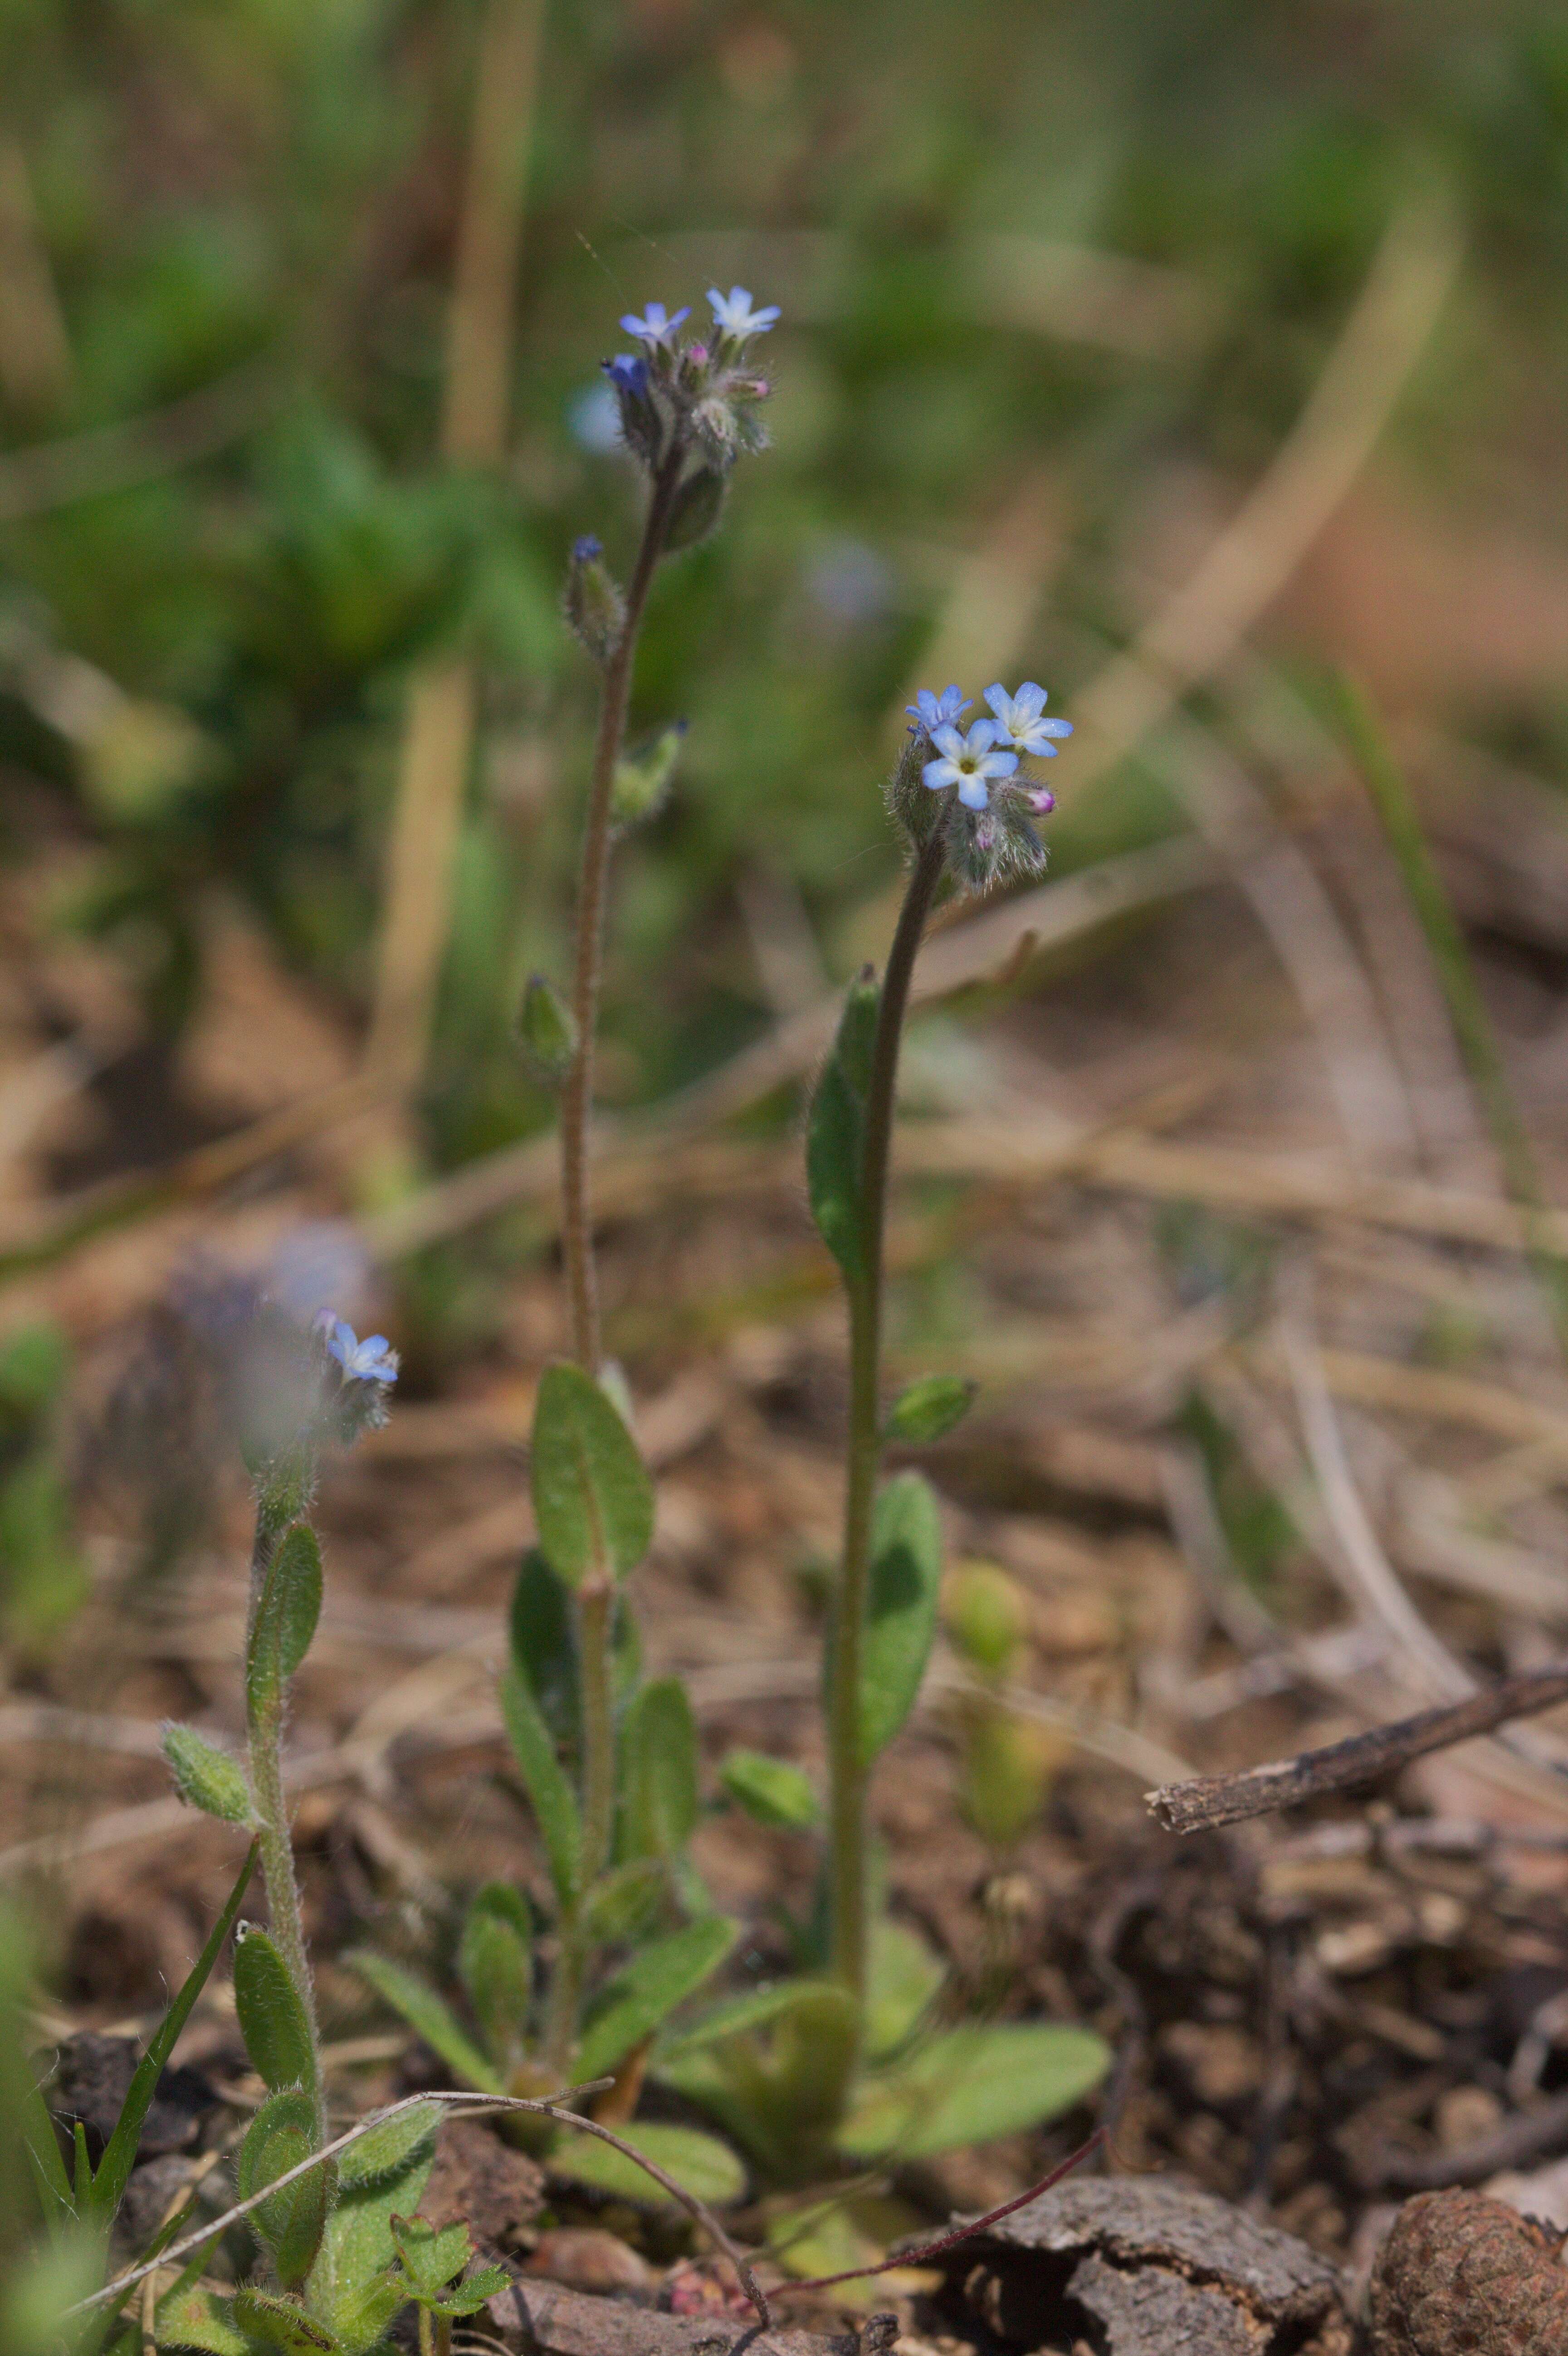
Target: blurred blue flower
1019	720
586	548
850	582
371	1361
653	326
593	417
968	762
733	315
322	1261
934	711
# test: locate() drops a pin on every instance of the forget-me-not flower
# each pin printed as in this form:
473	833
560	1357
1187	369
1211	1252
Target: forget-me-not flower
733	315
655	326
934	711
970	763
1019	720
374	1360
628	373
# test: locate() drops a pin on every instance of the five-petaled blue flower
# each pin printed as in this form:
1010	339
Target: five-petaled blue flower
934	712
374	1360
733	315
968	762
653	326
1019	720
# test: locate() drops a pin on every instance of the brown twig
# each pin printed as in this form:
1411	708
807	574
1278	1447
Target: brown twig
1210	1800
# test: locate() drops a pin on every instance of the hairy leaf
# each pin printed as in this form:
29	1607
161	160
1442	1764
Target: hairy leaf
773	1791
206	1777
592	1498
544	1647
901	1624
970	2086
383	2152
929	1409
280	2135
698	2163
495	1962
280	2323
271	2018
554	1801
428	2017
201	2320
287	1615
658	1771
643	1995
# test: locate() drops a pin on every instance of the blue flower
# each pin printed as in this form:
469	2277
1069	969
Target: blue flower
628	372
733	315
371	1361
1019	720
585	550
968	762
934	712
653	326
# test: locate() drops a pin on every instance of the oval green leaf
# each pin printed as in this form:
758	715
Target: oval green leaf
384	2150
271	2018
495	1963
928	1410
592	1498
773	1790
901	1622
286	1616
971	2085
640	1999
658	1771
698	2163
206	1777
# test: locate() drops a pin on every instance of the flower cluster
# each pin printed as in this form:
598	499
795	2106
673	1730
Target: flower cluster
699	396
990	834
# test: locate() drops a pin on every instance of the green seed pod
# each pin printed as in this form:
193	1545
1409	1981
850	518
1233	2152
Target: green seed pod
546	1033
595	609
643	779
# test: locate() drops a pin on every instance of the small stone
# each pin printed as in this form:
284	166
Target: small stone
586	2258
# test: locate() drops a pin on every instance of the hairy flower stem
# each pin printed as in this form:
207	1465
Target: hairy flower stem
577	1095
275	1509
849	1773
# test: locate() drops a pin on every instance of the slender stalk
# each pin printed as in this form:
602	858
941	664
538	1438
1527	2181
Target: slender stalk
275	1840
1389	793
577	1095
848	1771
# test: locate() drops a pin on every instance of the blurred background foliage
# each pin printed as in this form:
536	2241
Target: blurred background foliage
226	236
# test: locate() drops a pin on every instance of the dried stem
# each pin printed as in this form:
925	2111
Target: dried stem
1210	1800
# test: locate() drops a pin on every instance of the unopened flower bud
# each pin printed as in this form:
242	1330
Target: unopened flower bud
595	609
546	1033
642	780
641	427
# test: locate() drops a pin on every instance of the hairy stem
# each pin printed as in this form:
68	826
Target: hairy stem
848	1770
273	1838
577	1095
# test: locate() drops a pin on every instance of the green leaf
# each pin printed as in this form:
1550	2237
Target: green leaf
285	1616
206	1777
696	508
773	1791
384	2152
970	2086
847	2229
698	2163
30	2148
120	2152
902	1980
34	1362
430	2255
199	2319
427	2016
738	2016
546	1034
495	1963
354	2282
658	1773
644	778
929	1409
623	1903
281	2323
778	2085
271	2018
475	2291
554	1801
987	1615
835	1133
635	2003
544	1647
901	1624
592	1498
282	2134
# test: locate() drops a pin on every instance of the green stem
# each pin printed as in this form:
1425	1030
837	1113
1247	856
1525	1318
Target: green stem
577	1095
1391	797
849	1773
275	1839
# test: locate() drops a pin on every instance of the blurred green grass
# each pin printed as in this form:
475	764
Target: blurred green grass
273	186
